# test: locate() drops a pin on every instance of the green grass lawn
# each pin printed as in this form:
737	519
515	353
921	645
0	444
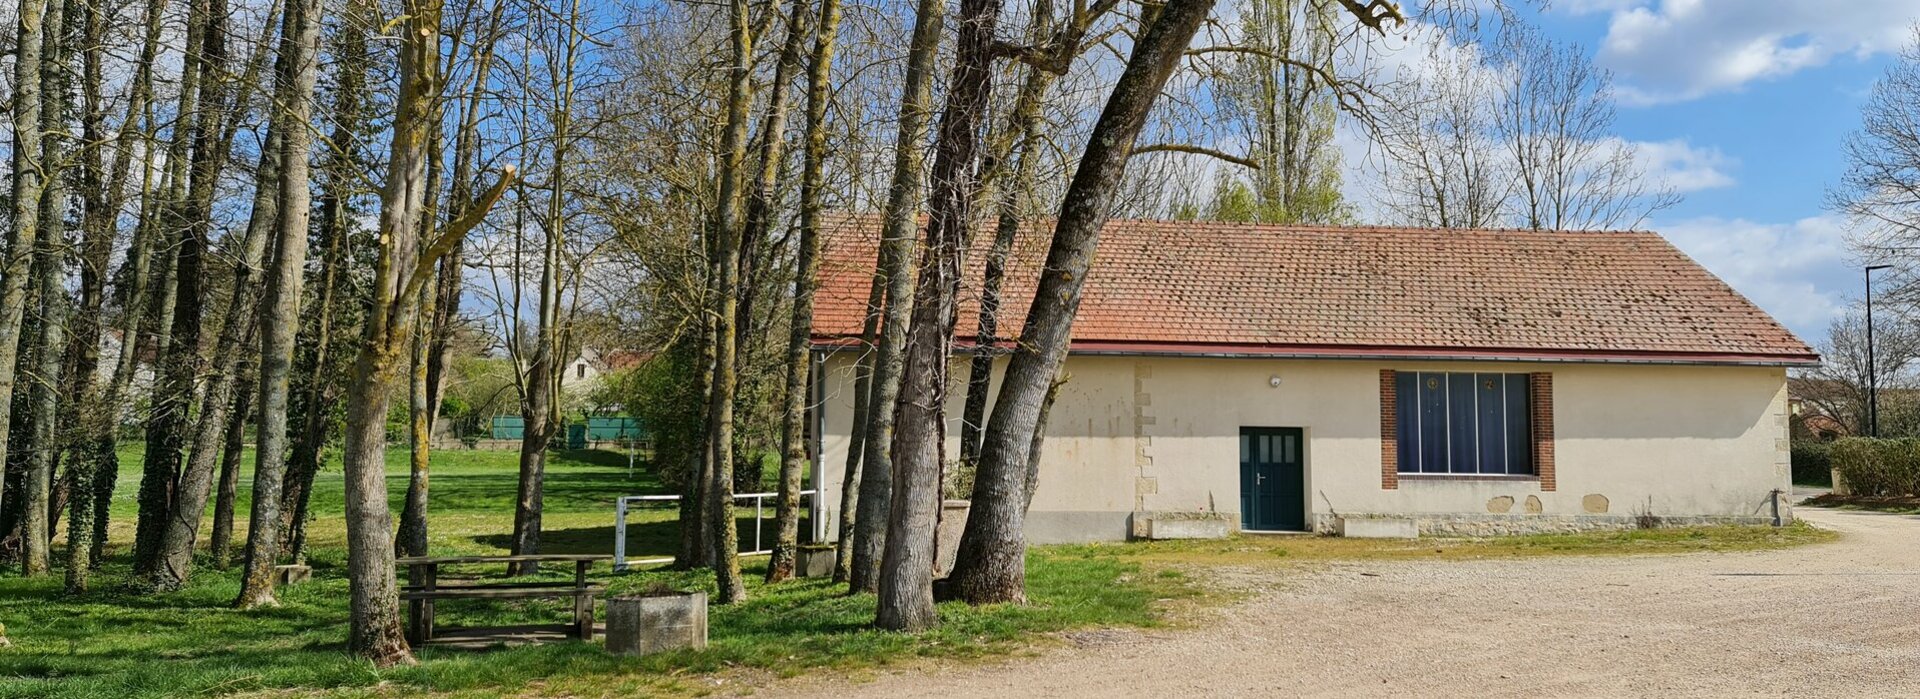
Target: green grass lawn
118	644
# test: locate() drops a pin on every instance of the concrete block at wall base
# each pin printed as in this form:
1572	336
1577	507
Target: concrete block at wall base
1161	526
643	625
953	522
1378	528
291	574
814	561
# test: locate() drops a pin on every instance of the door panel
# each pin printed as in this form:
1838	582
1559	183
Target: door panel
1272	479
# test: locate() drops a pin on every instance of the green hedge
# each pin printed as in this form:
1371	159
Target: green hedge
1878	467
1812	463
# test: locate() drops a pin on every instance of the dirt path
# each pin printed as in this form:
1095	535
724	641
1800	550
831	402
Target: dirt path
1834	619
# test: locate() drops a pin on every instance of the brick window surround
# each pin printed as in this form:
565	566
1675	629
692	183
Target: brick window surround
1389	432
1540	385
1539	395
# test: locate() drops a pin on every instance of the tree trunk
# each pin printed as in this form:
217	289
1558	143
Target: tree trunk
919	445
181	363
857	440
528	504
27	186
1022	132
99	209
210	428
221	541
727	230
412	538
299	47
50	273
793	448
97	445
401	272
899	229
991	565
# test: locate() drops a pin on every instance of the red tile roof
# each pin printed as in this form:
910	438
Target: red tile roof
1214	288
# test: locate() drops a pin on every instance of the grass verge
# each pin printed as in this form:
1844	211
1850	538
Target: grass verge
1896	505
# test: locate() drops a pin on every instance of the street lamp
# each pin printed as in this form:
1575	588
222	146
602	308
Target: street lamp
1873	388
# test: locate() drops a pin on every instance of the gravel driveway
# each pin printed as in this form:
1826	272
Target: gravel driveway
1836	619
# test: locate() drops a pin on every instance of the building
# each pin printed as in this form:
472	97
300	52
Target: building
1374	380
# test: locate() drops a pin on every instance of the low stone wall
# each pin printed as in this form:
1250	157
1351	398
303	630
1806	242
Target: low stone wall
1486	525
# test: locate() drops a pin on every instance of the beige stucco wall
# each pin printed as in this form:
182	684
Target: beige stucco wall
1160	434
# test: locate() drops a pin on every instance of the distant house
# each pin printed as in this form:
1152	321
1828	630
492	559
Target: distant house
583	373
1340	379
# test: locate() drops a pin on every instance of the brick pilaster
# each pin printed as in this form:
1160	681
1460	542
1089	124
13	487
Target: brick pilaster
1389	432
1540	390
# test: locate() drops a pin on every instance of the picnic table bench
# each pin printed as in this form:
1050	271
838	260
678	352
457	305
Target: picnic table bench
424	588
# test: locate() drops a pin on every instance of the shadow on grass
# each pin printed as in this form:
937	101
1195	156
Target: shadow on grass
659	535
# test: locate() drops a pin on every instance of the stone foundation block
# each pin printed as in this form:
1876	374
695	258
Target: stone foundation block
643	625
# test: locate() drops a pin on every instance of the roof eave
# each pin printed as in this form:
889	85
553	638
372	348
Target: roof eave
1488	354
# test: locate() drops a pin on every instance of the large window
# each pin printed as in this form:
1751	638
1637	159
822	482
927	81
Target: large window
1460	423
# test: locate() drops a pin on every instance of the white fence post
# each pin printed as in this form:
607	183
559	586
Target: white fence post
621	506
620	534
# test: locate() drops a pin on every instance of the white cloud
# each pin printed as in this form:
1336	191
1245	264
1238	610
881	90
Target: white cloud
1671	50
1682	166
1801	272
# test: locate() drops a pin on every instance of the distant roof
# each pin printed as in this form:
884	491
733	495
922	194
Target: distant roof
1182	287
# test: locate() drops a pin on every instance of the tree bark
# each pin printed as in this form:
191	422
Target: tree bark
221	541
401	272
991	565
98	441
727	231
210	428
1022	132
793	450
50	274
299	47
181	362
412	538
899	229
27	186
857	440
919	445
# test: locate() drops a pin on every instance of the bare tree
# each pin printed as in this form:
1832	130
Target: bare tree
826	28
992	567
299	46
404	267
28	163
899	228
1553	114
1438	163
1880	190
1838	387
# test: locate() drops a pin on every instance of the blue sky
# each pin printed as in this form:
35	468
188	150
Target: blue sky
1744	105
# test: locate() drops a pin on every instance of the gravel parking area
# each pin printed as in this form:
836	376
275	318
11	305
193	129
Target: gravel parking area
1834	619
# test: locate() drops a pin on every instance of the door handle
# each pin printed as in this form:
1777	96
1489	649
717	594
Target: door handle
1259	478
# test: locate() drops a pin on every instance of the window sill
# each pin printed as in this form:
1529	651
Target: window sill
1468	477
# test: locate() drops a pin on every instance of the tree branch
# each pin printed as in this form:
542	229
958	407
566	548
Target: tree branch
1197	150
455	231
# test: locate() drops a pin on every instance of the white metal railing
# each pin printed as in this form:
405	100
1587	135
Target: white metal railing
621	506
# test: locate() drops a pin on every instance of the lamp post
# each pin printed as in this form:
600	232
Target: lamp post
1873	388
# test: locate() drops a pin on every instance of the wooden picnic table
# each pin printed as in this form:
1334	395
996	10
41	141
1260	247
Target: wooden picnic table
424	588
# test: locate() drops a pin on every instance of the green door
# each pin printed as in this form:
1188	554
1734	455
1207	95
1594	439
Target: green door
1273	492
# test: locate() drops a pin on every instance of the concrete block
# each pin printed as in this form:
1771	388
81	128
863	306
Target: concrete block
1379	528
291	574
814	561
647	624
1167	526
953	523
